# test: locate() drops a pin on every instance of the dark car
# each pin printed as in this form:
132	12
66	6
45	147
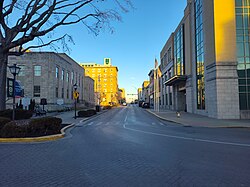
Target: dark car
145	105
140	103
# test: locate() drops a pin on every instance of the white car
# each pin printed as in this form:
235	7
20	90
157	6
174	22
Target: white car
124	104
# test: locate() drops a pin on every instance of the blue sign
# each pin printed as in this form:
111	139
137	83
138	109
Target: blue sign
18	89
19	92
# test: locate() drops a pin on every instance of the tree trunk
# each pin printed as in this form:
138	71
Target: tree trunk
3	75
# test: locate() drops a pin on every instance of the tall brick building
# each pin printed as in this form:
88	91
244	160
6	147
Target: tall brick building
106	81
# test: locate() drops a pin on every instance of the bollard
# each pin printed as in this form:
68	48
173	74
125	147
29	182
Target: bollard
178	114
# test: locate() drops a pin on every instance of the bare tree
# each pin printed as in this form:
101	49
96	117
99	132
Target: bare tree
23	21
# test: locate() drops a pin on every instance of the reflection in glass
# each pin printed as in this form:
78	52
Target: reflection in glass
243	52
199	56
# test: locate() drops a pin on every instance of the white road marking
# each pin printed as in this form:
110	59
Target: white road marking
98	124
126	118
162	124
187	138
90	123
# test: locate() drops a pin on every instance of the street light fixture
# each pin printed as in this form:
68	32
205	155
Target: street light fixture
14	69
75	88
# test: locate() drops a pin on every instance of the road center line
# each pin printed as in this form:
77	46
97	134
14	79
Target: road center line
187	138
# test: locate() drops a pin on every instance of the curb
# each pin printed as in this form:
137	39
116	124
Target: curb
44	138
37	139
165	118
92	117
179	123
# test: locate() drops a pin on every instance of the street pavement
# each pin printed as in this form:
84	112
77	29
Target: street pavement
196	120
128	146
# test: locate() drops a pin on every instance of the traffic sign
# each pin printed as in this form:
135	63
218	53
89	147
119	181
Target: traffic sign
76	94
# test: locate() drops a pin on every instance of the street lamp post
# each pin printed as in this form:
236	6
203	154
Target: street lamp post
75	88
14	69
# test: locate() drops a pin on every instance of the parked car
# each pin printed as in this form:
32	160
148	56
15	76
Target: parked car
145	105
124	104
140	103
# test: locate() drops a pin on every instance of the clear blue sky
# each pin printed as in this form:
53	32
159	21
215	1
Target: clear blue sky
137	40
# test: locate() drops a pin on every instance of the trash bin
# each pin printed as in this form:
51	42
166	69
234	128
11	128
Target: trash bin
97	108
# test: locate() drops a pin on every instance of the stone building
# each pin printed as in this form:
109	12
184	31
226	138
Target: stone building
89	93
49	75
210	62
167	68
121	95
145	91
151	87
139	92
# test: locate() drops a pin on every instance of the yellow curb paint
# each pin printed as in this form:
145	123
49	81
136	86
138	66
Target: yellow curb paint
37	139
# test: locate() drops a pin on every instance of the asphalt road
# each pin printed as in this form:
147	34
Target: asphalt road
128	146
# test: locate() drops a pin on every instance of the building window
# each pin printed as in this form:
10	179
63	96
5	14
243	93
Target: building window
179	52
37	71
62	92
37	91
62	74
67	93
57	72
72	77
169	56
57	95
79	83
67	76
243	56
170	99
166	99
199	50
169	74
22	71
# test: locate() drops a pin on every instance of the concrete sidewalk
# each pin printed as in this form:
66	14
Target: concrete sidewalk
188	119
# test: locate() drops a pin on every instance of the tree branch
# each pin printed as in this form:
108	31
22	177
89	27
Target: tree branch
37	13
44	44
11	7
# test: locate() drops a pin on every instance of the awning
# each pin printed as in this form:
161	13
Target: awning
177	79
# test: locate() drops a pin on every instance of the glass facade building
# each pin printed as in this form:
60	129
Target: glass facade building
179	68
199	52
242	11
211	60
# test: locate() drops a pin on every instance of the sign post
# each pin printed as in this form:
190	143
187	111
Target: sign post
75	95
14	70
